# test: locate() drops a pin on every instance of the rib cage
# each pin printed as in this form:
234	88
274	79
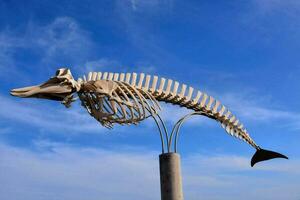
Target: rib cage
168	91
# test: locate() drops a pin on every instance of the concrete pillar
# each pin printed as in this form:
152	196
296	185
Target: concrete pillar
170	176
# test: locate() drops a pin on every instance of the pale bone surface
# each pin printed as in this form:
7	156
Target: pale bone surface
130	98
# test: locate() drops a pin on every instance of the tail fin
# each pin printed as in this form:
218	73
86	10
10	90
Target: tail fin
261	155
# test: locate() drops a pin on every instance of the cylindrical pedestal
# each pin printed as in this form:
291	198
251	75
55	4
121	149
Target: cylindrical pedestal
170	176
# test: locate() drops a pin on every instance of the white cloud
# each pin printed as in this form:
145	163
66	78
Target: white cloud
256	108
46	116
77	173
150	6
60	42
61	38
66	172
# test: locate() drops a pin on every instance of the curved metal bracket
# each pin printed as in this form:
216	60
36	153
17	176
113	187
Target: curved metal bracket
164	136
176	128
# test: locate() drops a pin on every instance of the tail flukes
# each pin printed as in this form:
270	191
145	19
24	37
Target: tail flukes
261	155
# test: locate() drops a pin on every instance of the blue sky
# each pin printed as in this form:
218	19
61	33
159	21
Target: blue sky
244	53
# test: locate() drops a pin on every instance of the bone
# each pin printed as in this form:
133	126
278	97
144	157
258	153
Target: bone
105	74
120	111
90	76
79	80
127	79
94	76
141	79
137	97
133	79
227	114
190	94
99	74
154	83
161	85
228	130
236	122
116	77
222	111
203	101
231	120
175	88
146	104
155	105
216	106
133	101
169	85
110	76
241	126
196	99
122	77
210	102
182	92
147	82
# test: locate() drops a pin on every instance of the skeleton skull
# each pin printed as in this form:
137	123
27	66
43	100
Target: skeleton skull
59	87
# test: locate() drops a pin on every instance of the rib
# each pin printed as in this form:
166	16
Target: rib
136	93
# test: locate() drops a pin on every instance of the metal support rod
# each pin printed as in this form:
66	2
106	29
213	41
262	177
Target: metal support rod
170	176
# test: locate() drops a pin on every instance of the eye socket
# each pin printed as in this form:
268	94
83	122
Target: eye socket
62	72
57	72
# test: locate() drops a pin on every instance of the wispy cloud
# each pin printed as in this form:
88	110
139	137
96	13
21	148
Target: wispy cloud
55	119
62	38
66	172
60	42
260	110
150	6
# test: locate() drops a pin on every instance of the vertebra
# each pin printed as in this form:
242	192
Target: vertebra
113	98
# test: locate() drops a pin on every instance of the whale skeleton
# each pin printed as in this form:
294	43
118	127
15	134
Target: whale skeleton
129	98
